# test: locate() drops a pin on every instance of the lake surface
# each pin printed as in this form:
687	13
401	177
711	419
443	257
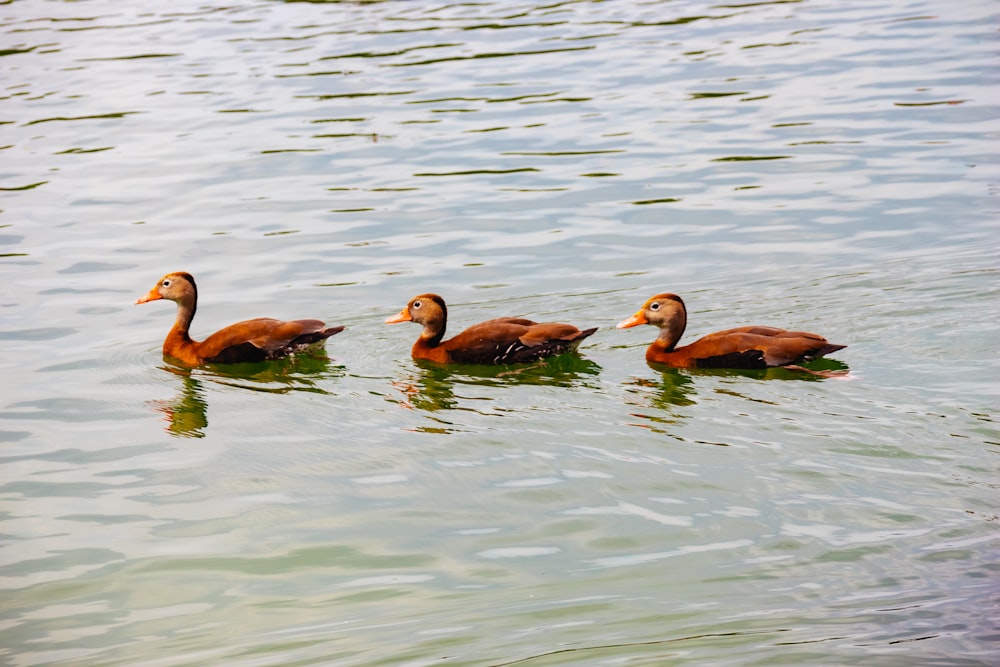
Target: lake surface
815	165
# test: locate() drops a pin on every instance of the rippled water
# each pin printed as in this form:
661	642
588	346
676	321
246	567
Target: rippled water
796	163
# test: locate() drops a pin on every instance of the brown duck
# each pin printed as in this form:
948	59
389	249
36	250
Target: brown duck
744	347
505	340
251	340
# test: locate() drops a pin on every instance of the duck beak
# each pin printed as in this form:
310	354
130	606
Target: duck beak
635	320
402	316
151	295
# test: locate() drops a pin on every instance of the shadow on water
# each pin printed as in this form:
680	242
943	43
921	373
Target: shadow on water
433	386
186	413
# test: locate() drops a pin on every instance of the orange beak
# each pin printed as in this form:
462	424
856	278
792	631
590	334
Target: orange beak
634	321
402	316
151	295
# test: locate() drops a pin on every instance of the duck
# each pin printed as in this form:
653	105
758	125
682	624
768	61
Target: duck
743	347
254	340
504	340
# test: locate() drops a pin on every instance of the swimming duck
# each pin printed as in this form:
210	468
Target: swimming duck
744	347
251	340
505	340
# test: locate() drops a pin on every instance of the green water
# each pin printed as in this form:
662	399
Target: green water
796	164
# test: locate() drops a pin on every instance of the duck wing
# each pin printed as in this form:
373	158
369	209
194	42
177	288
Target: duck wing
759	347
263	338
509	340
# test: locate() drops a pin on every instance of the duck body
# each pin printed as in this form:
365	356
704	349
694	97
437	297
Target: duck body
504	340
743	347
259	339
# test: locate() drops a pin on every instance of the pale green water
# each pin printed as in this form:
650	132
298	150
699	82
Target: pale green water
798	164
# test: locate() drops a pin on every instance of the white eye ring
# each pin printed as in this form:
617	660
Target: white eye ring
166	283
416	304
655	305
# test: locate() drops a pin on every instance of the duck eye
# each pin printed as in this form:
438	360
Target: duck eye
655	305
166	283
416	304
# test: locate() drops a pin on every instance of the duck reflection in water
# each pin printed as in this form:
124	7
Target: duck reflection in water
674	388
670	389
433	386
187	412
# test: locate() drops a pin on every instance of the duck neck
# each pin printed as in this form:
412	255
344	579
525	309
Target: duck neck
185	313
434	331
672	330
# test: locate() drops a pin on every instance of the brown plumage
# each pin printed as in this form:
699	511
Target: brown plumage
744	347
505	340
251	340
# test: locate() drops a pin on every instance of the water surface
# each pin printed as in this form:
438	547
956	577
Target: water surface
799	164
